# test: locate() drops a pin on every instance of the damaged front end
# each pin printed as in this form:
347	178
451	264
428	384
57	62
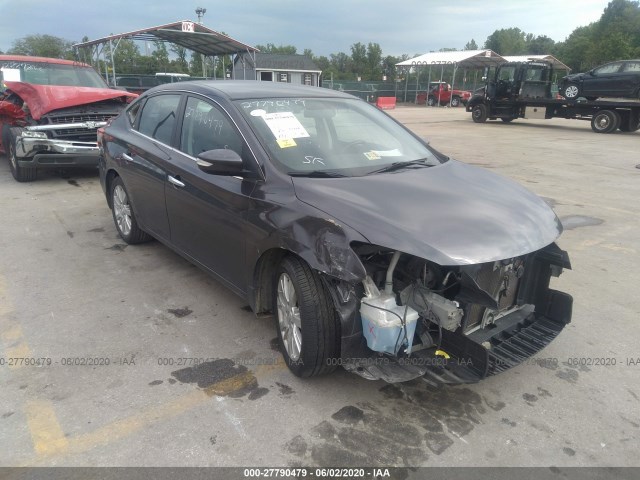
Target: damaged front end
413	318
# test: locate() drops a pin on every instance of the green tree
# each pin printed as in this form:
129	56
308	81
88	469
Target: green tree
616	35
374	62
43	46
341	65
180	65
160	56
195	65
472	45
358	59
126	56
540	45
389	66
271	48
507	41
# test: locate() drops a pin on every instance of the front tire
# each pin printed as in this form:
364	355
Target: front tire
123	216
455	101
431	101
20	174
571	91
479	113
306	322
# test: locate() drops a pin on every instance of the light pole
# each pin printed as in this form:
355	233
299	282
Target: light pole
200	13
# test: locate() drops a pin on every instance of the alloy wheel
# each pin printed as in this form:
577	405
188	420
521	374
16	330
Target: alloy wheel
289	317
122	210
571	91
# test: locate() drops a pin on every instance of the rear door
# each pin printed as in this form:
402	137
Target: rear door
147	153
631	74
207	213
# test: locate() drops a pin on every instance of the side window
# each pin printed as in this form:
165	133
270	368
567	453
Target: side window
158	117
507	73
609	68
632	67
132	112
205	127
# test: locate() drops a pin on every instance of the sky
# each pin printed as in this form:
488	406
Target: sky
325	27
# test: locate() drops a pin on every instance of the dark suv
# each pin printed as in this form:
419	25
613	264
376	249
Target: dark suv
615	79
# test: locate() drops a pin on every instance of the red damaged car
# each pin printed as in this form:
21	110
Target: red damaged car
50	110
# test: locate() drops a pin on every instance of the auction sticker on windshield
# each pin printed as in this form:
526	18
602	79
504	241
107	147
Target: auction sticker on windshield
284	125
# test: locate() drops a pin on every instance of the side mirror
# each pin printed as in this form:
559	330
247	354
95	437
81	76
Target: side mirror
220	162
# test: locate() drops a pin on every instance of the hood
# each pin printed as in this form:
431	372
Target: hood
451	214
43	99
573	77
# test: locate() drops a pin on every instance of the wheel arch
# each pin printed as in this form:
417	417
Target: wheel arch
329	257
264	279
108	181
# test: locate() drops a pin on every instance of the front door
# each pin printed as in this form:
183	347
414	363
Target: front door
604	81
207	213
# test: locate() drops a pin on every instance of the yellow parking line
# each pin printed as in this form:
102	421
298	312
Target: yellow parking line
48	437
128	426
233	384
46	432
16	353
11	332
6	306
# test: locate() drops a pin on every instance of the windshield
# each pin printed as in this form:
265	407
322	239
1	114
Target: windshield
41	73
345	137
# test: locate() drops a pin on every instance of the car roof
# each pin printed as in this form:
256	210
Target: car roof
244	89
26	58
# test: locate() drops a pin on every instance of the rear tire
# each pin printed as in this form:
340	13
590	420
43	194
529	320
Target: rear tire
306	322
20	174
625	124
479	113
605	121
123	216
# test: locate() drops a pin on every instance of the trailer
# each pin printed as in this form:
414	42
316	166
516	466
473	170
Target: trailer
524	90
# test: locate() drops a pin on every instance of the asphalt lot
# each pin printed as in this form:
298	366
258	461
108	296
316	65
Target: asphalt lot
70	289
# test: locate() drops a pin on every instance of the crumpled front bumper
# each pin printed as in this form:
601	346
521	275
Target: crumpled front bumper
33	149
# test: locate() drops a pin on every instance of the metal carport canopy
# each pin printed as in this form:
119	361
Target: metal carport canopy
185	33
467	59
548	58
461	58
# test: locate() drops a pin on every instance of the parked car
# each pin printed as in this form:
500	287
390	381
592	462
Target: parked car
141	83
50	110
442	93
615	79
371	249
137	83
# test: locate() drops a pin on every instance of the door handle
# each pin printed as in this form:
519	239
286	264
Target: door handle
175	181
127	157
